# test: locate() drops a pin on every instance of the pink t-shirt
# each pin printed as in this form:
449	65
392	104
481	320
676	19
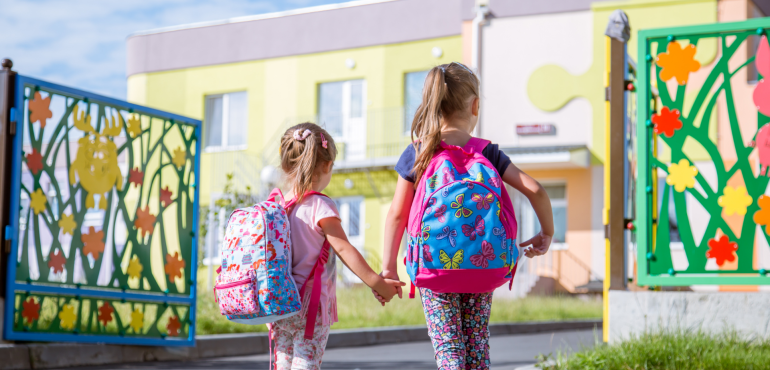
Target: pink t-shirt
307	238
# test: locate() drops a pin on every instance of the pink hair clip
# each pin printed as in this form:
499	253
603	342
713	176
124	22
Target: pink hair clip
300	136
324	143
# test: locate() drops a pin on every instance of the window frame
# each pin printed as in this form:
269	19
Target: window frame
225	122
407	126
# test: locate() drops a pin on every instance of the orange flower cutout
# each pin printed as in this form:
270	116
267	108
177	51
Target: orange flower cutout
173	326
165	196
667	122
135	176
39	109
30	310
145	222
762	216
34	161
722	249
93	242
678	62
56	261
174	266
105	313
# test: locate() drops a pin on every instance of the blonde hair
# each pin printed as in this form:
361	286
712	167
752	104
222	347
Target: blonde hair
302	151
446	92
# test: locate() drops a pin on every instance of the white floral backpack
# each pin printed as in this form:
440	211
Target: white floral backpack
255	285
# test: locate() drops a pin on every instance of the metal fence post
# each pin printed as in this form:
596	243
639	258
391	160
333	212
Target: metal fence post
7	123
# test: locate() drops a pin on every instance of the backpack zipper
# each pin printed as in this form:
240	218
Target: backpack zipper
505	224
232	284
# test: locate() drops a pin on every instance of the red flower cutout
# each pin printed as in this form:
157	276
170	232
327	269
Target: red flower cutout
39	109
722	249
145	222
105	313
135	176
34	161
174	266
56	261
165	196
93	242
30	310
667	122
173	326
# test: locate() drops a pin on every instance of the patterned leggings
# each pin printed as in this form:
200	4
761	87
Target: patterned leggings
457	325
292	350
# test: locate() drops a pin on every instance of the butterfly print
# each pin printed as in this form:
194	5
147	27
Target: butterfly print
441	213
449	176
495	181
446	233
480	177
470	185
504	256
461	210
451	263
431	203
499	232
475	229
482	201
445	192
432	181
425	232
426	256
486	254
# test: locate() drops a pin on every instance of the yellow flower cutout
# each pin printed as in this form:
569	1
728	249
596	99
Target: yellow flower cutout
137	321
735	200
134	127
67	223
38	201
135	268
67	317
682	175
180	157
678	62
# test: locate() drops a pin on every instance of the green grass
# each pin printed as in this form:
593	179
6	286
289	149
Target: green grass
681	350
357	308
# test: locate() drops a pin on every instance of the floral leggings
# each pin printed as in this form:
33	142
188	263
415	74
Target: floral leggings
292	350
457	325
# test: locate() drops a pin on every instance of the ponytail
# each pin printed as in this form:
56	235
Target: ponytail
304	147
447	89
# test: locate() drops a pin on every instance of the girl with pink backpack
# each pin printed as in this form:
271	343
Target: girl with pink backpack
307	157
459	219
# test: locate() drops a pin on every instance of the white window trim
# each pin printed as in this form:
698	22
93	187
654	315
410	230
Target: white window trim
225	125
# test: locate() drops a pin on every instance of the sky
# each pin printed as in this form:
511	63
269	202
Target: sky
82	43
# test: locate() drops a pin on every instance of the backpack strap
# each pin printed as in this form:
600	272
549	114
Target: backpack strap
316	274
277	196
477	144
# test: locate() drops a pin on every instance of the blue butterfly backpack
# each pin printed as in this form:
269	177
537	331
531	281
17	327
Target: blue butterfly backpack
462	226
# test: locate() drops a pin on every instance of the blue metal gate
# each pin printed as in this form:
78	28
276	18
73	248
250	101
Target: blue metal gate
103	219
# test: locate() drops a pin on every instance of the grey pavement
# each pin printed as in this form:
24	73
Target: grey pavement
508	352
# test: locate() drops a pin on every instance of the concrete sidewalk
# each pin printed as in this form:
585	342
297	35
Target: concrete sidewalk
60	355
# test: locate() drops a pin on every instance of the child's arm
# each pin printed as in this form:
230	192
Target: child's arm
395	223
350	256
540	202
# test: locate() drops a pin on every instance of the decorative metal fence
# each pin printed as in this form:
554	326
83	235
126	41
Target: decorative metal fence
702	213
103	222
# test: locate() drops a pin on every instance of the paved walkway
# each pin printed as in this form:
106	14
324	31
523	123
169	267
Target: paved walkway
508	353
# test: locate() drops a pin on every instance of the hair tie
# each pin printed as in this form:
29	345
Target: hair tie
324	143
300	136
464	67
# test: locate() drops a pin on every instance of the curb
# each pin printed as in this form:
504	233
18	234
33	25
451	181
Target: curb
57	355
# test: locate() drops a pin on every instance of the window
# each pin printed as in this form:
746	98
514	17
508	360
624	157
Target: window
529	225
342	111
413	83
226	121
352	215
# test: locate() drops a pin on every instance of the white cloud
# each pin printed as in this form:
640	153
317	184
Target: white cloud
82	43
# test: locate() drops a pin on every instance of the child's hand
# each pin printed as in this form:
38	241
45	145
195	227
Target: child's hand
387	288
540	244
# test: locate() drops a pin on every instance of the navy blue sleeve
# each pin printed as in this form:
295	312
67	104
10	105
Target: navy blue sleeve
405	164
496	156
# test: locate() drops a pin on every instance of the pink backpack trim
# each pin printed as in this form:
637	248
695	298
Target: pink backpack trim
318	269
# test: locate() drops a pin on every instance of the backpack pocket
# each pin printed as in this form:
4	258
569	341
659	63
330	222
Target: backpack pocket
237	293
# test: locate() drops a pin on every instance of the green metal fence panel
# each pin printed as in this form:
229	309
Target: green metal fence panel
701	211
104	211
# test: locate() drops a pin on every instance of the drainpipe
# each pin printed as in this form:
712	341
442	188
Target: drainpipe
482	10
